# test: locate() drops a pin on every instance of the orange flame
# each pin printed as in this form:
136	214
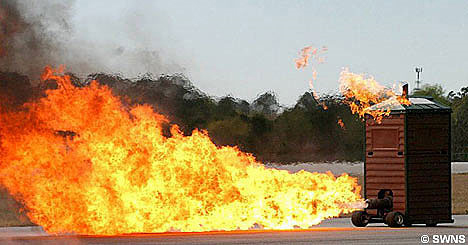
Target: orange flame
303	61
82	163
361	92
341	123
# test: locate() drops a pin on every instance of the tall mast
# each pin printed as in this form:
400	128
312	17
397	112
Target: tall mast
418	72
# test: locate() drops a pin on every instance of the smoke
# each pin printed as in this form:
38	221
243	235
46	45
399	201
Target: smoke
34	34
31	34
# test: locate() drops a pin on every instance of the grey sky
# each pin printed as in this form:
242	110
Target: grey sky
245	48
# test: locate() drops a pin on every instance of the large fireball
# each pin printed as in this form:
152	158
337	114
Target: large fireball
81	162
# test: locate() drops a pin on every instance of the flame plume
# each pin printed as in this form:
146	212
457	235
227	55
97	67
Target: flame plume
82	163
341	123
361	92
308	55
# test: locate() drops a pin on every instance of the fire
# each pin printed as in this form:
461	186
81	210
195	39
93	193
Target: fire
341	123
315	54
82	163
361	92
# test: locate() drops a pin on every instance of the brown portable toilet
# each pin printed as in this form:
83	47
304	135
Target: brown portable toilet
408	157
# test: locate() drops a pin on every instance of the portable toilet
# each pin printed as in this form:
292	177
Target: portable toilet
408	159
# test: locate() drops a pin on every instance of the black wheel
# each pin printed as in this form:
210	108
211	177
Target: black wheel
431	224
360	218
395	219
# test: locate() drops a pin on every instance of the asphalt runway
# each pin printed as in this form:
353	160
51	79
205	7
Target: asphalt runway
334	231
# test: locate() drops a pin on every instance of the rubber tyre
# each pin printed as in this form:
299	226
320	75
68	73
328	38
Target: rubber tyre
360	218
395	219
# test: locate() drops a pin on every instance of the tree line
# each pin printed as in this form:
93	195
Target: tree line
314	129
458	101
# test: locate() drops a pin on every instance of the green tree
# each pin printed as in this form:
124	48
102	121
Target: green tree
196	113
307	101
231	131
225	108
436	91
460	124
266	104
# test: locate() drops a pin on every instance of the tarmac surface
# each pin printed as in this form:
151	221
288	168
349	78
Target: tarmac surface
334	231
351	168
